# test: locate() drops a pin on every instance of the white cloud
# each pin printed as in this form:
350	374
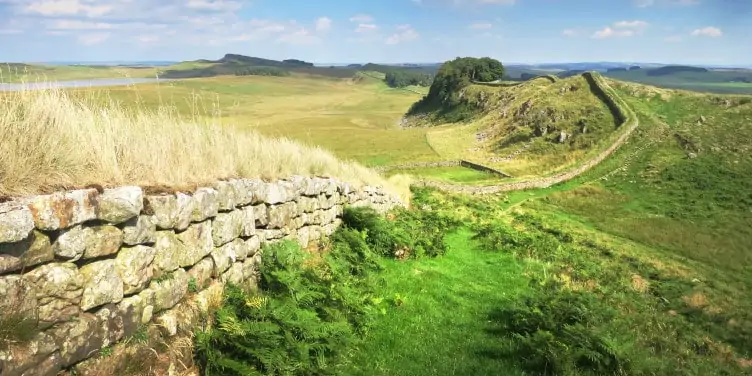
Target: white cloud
650	3
214	5
608	32
404	33
644	3
79	25
148	39
93	38
323	24
709	31
10	31
672	39
299	37
631	24
621	29
66	8
361	18
481	25
364	28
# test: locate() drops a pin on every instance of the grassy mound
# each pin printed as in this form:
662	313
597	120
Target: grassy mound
56	139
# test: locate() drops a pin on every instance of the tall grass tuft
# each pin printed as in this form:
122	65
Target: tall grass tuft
53	139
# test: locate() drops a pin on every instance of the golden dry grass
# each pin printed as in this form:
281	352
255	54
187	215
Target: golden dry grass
53	139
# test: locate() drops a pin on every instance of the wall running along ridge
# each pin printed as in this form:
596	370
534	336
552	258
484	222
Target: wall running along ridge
451	163
88	268
619	109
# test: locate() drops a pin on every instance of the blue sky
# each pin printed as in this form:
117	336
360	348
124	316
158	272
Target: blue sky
346	31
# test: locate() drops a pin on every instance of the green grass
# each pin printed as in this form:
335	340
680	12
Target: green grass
453	174
441	327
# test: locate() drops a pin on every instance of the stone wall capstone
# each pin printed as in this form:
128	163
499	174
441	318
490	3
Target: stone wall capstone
90	267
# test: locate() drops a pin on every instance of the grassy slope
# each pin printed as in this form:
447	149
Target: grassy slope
455	174
440	327
357	120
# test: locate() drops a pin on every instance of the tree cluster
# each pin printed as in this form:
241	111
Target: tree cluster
403	78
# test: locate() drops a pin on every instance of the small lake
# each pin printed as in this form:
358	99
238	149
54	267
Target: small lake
78	83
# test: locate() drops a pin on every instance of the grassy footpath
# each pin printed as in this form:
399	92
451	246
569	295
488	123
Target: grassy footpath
436	322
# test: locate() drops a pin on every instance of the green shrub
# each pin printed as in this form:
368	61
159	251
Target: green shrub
419	232
310	312
552	332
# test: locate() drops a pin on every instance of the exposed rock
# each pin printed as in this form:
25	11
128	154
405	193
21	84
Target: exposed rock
62	210
102	240
563	136
118	205
206	204
691	155
70	244
102	284
134	266
169	251
196	243
225	255
140	230
58	291
226	194
168	323
248	221
226	227
202	272
16	223
169	291
280	215
33	250
34	358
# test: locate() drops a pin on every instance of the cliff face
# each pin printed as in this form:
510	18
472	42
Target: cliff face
81	270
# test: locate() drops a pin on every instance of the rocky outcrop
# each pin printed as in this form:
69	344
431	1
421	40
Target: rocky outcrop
88	267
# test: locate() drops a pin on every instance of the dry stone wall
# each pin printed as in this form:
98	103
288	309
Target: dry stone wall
88	267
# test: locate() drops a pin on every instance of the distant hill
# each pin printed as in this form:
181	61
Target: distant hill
241	65
671	69
726	81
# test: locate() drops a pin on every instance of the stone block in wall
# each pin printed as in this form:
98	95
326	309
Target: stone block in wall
102	241
37	358
308	204
58	292
131	314
315	233
251	272
225	255
63	210
277	192
202	272
117	205
33	250
111	324
248	221
196	243
331	187
253	244
166	292
327	202
170	211
70	243
261	215
134	264
303	236
206	204
226	195
16	222
140	230
226	227
169	252
281	215
102	284
244	190
18	297
79	339
234	274
271	234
